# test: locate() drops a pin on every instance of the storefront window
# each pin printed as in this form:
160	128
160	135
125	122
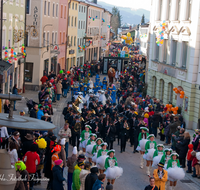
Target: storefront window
53	64
46	65
28	72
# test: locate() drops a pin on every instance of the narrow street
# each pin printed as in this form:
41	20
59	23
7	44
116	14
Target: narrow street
133	177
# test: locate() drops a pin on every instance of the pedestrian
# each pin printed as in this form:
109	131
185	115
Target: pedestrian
65	133
70	162
15	91
13	153
65	85
189	158
117	75
58	175
85	134
123	134
6	106
40	112
44	79
160	176
101	154
152	185
76	184
91	178
62	154
59	89
33	111
109	186
83	175
98	185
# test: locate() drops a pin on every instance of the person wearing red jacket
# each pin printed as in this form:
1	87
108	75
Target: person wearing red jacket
32	159
44	79
189	158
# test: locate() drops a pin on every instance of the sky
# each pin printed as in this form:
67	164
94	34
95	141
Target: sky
135	4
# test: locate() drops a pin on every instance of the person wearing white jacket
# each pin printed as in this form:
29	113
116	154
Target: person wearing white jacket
117	75
83	175
13	153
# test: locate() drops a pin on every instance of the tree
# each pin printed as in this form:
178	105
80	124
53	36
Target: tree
143	19
116	20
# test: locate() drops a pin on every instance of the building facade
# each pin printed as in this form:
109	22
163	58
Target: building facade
176	62
72	34
62	28
144	39
42	41
82	21
13	38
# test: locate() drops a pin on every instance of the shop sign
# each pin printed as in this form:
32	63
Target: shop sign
55	49
167	70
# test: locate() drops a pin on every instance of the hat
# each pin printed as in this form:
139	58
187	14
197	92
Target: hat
46	107
93	135
160	145
46	115
77	117
29	136
62	142
22	112
108	153
58	162
144	128
103	144
168	149
125	118
74	150
174	154
16	133
99	139
81	164
151	135
85	104
161	164
109	186
88	126
81	157
40	106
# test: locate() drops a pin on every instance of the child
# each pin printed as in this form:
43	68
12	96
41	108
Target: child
189	158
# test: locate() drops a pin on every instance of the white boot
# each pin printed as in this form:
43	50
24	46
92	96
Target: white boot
150	169
141	161
148	172
166	185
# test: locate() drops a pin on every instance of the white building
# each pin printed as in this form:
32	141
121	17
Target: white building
143	38
176	62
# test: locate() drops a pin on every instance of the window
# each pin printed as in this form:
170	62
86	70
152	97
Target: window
48	8
28	77
53	10
57	10
161	3
48	39
154	86
184	54
61	11
157	52
45	7
72	21
79	8
4	38
69	5
10	38
84	9
27	6
189	9
75	22
165	51
17	2
60	37
53	38
81	24
174	49
169	10
63	37
178	10
73	6
68	40
65	12
69	21
161	89
56	40
22	2
71	40
74	40
76	6
44	39
78	42
170	90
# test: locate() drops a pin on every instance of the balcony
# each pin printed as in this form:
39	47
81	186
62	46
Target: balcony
170	70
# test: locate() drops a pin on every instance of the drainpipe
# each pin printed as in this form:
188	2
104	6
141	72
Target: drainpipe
1	30
69	1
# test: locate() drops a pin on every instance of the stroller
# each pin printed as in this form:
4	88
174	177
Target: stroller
30	104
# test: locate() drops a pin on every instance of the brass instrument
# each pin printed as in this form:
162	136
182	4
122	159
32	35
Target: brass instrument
77	127
76	108
126	126
78	101
117	121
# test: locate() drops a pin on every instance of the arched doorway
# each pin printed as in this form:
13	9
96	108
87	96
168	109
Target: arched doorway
179	101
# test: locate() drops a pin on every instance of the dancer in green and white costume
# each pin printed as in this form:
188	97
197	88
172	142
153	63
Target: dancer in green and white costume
142	139
158	155
95	149
150	148
85	134
90	144
101	157
166	157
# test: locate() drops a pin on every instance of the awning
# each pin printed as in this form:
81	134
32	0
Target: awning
4	66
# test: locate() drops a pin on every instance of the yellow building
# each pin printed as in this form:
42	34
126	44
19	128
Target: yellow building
72	34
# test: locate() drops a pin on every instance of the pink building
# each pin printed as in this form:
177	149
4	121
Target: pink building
62	28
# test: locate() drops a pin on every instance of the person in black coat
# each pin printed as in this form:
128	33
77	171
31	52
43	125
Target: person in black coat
111	135
123	133
196	140
91	178
151	185
136	129
33	112
179	139
58	175
184	148
156	120
27	143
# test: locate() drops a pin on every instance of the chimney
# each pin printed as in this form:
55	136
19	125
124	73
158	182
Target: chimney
95	1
